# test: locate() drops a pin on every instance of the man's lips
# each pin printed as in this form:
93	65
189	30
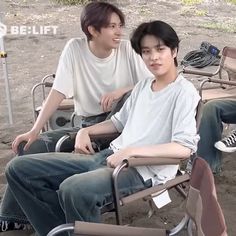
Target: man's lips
155	65
116	40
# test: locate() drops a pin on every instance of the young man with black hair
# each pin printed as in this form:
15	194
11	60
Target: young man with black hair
96	71
157	120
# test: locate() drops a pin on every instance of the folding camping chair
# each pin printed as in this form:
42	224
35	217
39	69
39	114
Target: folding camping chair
203	215
224	75
62	117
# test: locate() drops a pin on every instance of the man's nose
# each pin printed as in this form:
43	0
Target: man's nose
154	55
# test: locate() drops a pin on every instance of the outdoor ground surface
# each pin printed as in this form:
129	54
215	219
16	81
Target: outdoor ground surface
30	57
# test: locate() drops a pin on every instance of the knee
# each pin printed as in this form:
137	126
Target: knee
69	188
14	167
210	108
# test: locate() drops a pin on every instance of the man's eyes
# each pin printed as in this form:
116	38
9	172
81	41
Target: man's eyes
145	51
114	26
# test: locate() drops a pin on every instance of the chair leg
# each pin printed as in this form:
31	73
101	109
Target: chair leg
180	226
181	191
116	196
61	228
151	208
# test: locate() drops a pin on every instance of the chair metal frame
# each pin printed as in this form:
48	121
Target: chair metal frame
47	82
228	65
146	194
201	173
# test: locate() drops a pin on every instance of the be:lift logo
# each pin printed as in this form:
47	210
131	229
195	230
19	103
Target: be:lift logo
3	30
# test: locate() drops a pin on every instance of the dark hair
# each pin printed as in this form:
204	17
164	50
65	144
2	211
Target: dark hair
160	30
98	14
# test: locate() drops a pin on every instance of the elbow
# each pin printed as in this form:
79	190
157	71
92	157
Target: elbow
184	152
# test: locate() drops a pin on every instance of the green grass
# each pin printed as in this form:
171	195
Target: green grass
231	1
186	11
191	2
71	2
229	28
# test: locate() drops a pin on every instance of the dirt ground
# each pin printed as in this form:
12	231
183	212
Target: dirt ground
32	56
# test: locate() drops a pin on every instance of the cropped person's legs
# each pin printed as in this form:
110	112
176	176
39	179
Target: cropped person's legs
10	211
214	113
46	142
34	180
81	196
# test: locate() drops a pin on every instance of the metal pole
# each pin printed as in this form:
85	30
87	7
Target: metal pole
3	56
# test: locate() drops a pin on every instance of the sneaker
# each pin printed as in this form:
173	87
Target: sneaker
228	144
8	225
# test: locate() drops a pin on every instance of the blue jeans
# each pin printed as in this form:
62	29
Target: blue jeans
56	188
214	113
10	210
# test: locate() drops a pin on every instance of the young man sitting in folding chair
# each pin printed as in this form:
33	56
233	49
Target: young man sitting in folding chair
95	70
157	120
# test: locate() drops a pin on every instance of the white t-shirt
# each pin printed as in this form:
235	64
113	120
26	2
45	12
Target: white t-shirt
149	118
85	77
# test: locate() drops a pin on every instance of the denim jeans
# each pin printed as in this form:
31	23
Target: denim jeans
56	188
10	210
214	113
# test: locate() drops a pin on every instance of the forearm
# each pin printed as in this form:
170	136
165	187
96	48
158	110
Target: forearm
49	107
173	150
105	127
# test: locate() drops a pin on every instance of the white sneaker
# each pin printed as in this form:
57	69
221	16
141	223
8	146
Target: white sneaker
227	144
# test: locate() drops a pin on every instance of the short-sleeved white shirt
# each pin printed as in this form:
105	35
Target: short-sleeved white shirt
85	77
157	117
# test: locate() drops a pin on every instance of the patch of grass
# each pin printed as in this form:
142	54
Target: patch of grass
191	2
72	2
189	11
201	12
229	28
231	1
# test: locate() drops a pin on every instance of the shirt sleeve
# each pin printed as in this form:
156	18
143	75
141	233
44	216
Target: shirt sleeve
184	122
64	74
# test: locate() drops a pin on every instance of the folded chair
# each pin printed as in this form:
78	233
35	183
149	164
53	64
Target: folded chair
62	117
203	215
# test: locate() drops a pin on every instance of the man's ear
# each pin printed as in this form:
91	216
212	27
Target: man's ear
92	31
174	52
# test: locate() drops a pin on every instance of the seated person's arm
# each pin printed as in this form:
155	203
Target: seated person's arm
109	98
49	107
83	143
172	150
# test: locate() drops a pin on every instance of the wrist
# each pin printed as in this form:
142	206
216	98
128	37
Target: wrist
35	131
130	152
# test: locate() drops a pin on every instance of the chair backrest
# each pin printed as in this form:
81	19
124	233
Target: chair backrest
202	205
228	62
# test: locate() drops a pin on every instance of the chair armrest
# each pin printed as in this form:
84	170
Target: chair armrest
141	161
199	72
96	229
111	136
220	81
70	136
